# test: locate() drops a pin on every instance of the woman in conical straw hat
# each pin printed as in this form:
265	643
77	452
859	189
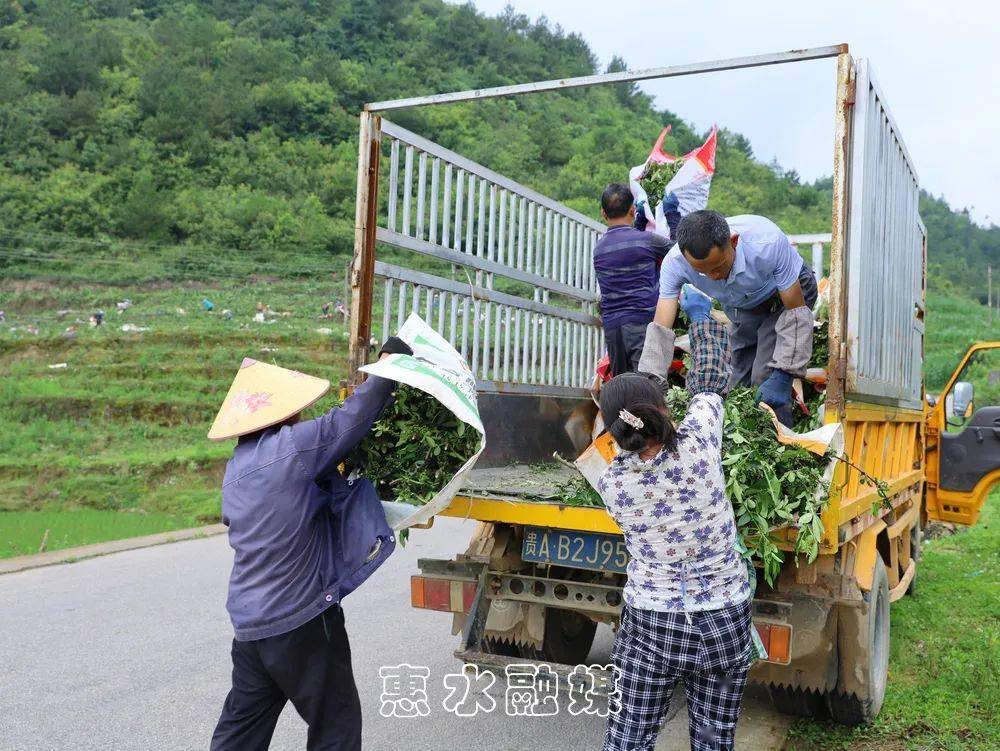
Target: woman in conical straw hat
304	537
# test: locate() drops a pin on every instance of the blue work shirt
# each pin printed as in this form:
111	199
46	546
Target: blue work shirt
304	536
765	263
625	261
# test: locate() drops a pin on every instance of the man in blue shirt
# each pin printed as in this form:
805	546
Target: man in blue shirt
749	265
304	537
626	260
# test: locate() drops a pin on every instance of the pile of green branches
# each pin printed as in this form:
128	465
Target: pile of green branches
821	345
770	484
656	177
414	449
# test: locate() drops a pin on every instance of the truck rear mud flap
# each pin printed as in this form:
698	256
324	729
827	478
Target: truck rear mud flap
813	652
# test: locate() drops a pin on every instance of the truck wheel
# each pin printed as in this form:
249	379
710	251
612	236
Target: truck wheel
800	702
568	636
848	708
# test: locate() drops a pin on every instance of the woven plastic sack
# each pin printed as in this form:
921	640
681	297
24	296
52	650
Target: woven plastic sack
435	368
691	183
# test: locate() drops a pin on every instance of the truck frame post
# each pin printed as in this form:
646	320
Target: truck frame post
363	266
841	182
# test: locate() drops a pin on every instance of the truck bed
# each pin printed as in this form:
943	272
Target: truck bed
519	482
525	494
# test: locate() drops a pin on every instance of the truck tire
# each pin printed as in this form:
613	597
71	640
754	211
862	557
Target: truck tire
568	636
847	707
800	702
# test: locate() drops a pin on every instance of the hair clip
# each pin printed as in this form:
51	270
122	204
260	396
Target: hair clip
631	419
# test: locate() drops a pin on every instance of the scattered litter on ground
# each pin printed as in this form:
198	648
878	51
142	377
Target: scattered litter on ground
123	305
3	316
323	330
268	349
181	312
69	333
57	366
334	309
97	318
227	314
259	317
131	327
32	330
208	305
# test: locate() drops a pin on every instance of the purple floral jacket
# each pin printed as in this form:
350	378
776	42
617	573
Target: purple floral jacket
678	524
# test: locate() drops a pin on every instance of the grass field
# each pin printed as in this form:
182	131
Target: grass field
24	532
944	664
119	424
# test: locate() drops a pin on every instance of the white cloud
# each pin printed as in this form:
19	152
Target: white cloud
938	65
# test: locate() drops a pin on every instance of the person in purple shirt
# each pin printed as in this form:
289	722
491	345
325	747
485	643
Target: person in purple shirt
627	261
303	537
749	265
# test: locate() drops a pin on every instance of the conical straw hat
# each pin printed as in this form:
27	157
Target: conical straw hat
263	395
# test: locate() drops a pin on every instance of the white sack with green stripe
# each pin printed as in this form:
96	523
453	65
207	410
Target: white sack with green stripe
437	369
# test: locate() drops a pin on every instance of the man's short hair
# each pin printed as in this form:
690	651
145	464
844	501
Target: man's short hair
700	231
616	200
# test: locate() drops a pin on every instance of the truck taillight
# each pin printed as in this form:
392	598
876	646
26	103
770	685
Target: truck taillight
777	640
448	595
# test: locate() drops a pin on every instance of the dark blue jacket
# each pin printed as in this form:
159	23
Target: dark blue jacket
304	536
626	262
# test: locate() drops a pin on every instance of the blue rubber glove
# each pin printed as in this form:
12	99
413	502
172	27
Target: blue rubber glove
640	216
670	203
776	392
695	303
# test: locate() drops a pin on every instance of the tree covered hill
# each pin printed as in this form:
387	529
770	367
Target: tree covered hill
174	136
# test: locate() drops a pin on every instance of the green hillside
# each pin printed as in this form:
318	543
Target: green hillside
185	139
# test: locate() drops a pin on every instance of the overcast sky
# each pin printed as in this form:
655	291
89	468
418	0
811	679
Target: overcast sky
938	64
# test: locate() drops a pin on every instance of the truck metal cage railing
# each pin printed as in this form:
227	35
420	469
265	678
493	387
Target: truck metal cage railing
525	318
885	296
520	302
506	273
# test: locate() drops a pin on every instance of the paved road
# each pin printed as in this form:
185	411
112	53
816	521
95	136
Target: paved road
131	651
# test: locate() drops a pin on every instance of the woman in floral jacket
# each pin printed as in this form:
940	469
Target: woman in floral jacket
687	600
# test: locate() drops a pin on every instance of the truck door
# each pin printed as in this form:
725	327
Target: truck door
963	438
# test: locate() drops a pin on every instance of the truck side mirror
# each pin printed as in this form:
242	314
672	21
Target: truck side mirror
962	396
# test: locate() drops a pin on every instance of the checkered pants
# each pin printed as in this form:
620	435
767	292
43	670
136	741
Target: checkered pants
654	651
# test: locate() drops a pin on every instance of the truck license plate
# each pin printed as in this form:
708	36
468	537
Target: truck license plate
586	550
